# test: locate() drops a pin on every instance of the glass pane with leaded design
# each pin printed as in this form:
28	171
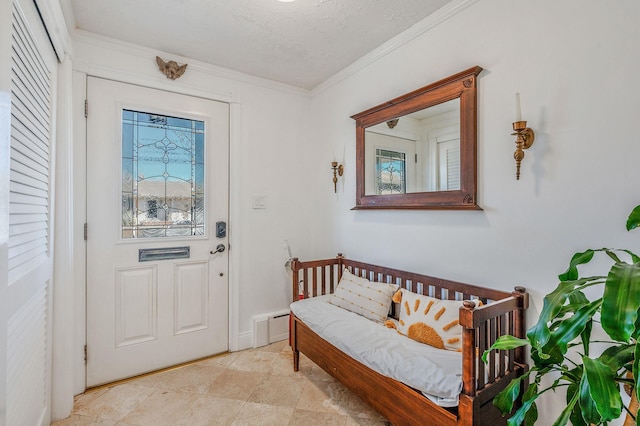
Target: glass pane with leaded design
163	172
391	175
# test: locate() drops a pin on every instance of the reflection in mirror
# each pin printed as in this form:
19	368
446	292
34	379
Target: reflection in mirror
419	152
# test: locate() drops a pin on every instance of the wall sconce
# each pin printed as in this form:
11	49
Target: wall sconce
338	170
524	136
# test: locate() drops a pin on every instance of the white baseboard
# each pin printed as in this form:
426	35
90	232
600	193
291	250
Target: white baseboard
245	341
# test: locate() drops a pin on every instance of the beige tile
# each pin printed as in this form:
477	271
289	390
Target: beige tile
78	420
274	347
278	390
357	408
194	378
163	407
324	396
155	379
312	418
283	365
81	401
355	421
253	360
116	402
253	414
211	411
312	372
223	360
234	384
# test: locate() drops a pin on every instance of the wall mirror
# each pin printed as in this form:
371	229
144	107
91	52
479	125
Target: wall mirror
418	151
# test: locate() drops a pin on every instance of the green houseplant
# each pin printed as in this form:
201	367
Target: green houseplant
561	340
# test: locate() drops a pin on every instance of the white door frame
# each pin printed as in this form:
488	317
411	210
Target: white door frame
78	305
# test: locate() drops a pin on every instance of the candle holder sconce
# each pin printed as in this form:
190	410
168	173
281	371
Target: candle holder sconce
524	139
338	170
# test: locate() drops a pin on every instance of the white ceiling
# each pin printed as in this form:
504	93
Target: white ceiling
302	43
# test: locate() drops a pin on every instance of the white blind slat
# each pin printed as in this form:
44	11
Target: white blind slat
27	257
15	208
20	188
29	246
22	113
21	142
28	218
24	228
18	177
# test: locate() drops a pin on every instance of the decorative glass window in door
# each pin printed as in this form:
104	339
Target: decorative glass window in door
391	175
162	176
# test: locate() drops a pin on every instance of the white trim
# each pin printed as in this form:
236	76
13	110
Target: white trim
62	291
54	22
245	341
79	200
235	141
431	21
102	42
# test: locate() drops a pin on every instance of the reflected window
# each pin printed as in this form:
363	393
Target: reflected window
390	172
162	176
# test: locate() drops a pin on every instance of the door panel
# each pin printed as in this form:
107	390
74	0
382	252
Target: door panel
157	183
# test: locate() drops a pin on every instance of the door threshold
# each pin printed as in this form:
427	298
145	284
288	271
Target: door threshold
150	373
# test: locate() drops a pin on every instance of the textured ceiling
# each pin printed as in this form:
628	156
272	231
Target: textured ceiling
302	43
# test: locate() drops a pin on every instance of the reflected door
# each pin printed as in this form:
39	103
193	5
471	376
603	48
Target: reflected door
157	182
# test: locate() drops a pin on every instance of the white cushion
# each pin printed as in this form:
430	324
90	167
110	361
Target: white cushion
433	371
363	297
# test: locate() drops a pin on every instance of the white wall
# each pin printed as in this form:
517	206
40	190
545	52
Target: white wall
574	63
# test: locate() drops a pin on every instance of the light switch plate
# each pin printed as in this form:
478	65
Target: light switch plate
259	201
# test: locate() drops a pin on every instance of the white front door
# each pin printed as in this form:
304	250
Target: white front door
157	207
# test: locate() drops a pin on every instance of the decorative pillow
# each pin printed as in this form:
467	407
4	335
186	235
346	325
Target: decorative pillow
429	320
363	297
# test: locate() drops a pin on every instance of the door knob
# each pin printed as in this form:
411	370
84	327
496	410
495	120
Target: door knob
219	249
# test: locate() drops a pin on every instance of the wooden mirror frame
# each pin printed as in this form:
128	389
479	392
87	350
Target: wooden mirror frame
461	85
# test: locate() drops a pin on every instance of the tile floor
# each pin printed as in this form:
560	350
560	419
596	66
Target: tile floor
251	387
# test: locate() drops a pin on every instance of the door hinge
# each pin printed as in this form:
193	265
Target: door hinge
86	108
416	158
85	354
85	232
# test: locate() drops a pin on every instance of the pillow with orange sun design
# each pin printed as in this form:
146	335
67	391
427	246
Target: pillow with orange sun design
428	320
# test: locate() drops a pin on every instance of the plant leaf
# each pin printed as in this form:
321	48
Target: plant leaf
576	413
634	219
505	399
566	413
601	385
578	259
539	334
634	257
636	370
505	342
520	415
531	415
588	407
620	301
616	357
571	328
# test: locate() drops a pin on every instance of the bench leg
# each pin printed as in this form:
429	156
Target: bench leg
296	360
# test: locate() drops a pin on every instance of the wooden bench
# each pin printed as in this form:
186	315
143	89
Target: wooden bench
501	313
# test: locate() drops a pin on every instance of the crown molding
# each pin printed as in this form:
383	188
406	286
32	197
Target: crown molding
431	21
104	42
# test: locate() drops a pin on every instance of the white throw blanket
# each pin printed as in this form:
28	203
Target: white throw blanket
437	373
